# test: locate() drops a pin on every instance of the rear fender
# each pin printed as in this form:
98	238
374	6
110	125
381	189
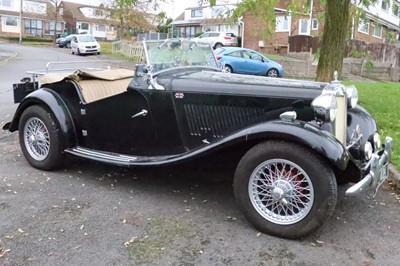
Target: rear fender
56	105
300	132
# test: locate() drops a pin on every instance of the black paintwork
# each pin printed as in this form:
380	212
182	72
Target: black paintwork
199	111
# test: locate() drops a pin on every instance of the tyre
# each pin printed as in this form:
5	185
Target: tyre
285	189
72	51
273	73
40	139
218	45
78	52
228	69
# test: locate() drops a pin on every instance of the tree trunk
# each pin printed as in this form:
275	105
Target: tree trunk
333	39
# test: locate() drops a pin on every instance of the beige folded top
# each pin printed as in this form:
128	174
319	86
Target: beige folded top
94	85
110	75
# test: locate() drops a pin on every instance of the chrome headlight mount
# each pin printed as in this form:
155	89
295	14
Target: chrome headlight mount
352	96
338	91
325	108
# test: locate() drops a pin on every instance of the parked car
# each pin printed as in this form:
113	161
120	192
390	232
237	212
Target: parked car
247	61
60	37
295	140
84	44
217	39
65	42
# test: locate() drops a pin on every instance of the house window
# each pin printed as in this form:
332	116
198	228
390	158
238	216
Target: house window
102	28
5	3
282	23
84	26
395	10
97	12
10	21
304	28
377	31
34	27
197	13
385	5
49	28
363	26
315	24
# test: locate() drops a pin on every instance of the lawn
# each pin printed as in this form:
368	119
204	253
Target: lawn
381	100
106	47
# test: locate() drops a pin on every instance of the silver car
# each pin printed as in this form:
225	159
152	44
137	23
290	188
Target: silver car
218	39
85	44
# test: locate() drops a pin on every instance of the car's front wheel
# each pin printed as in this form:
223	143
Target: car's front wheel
285	189
40	139
273	73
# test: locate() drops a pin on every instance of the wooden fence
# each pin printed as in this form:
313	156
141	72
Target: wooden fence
133	51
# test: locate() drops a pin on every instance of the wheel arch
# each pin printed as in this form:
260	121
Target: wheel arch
54	103
309	136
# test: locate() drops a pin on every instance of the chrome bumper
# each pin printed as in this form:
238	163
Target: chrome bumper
378	173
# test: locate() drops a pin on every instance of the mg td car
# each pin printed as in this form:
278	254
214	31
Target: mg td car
296	140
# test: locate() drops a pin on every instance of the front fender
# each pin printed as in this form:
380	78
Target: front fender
300	132
51	100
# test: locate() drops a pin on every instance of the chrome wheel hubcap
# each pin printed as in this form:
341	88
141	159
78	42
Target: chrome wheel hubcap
36	139
281	191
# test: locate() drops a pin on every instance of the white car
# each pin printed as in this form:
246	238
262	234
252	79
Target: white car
218	39
85	44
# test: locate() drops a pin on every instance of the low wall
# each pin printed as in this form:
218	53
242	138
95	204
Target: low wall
358	67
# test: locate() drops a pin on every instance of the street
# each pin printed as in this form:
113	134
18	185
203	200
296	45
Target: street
90	213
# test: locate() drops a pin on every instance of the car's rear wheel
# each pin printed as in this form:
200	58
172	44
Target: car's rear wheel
40	139
228	69
72	51
218	45
273	73
285	189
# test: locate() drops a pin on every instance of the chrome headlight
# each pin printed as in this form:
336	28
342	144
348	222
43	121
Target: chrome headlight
368	150
377	141
352	96
325	107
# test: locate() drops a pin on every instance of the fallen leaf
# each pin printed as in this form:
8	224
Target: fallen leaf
320	242
258	234
20	230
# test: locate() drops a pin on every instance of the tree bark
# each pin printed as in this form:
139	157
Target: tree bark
333	39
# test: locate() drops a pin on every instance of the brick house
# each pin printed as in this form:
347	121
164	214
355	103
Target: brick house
381	25
94	20
38	18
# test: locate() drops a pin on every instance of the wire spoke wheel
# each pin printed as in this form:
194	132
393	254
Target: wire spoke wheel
285	189
40	138
281	191
37	138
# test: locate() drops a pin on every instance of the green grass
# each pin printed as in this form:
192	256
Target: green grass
106	47
381	100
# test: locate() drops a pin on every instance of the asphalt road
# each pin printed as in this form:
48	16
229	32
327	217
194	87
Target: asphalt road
95	214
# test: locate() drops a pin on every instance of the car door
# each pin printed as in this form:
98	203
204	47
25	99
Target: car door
121	124
236	61
204	38
256	65
74	44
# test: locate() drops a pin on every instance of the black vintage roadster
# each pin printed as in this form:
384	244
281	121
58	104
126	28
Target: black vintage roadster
296	139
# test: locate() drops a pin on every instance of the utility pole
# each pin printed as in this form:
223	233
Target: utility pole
20	22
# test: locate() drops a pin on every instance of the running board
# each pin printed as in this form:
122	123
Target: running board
119	159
